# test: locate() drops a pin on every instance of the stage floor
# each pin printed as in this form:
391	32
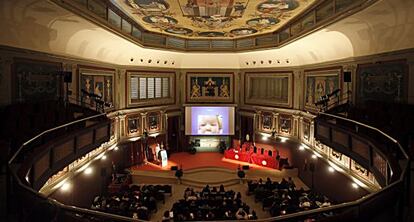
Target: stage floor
199	160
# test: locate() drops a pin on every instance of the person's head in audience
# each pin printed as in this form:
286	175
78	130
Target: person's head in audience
253	215
221	188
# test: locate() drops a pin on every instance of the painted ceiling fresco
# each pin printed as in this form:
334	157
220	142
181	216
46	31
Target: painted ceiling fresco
213	18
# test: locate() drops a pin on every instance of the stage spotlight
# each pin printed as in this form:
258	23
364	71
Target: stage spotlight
264	138
103	157
331	169
88	171
116	148
264	163
65	187
302	148
236	157
354	185
314	156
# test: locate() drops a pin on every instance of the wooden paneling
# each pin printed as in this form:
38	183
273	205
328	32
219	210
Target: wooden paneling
101	132
323	131
62	151
340	138
41	165
85	139
360	148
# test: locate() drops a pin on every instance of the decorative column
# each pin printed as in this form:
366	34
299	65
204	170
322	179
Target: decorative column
295	126
300	130
312	133
254	127
144	122
122	125
259	121
162	121
276	122
166	131
144	136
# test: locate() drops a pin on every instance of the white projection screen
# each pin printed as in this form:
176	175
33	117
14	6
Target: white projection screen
209	120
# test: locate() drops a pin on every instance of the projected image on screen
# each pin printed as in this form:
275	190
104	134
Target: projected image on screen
205	120
210	124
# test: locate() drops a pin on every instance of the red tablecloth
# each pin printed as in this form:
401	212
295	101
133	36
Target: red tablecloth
264	160
237	155
250	157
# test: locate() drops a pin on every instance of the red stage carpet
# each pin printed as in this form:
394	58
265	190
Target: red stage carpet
198	160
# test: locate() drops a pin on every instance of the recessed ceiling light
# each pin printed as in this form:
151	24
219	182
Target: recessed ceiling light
65	187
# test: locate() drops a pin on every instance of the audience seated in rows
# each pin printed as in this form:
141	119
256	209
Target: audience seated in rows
135	201
210	204
283	197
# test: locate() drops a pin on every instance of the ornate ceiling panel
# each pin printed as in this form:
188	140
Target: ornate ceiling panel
213	18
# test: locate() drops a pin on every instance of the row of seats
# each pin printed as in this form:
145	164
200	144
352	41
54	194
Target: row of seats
209	204
138	202
281	198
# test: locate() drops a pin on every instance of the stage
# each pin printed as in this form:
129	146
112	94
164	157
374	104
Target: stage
199	160
204	168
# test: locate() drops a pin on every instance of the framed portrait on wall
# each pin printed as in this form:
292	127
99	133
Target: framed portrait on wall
267	122
210	87
285	124
134	124
269	88
318	83
96	84
154	122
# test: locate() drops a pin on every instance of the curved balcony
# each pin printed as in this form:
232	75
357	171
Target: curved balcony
42	156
